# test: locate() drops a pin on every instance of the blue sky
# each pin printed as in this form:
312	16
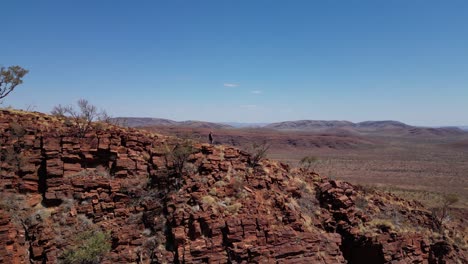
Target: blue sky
244	61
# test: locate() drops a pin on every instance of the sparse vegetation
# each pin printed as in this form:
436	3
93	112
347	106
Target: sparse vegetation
82	118
176	160
208	200
220	183
15	205
13	154
238	186
92	173
374	160
90	247
233	208
148	249
180	155
382	224
308	163
361	203
220	191
19	210
307	202
257	151
387	221
441	214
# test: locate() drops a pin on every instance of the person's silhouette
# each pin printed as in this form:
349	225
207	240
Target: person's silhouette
210	137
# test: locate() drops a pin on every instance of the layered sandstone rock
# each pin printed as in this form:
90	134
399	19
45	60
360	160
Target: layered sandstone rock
220	210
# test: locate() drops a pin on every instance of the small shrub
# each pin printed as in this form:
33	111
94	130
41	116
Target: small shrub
82	119
84	223
135	218
67	204
238	186
308	163
440	215
13	154
190	168
361	203
99	126
180	155
105	117
208	200
307	222
257	152
176	160
213	192
148	249
21	212
147	232
366	189
307	204
15	205
146	156
88	247
233	208
100	172
195	208
17	130
382	224
220	183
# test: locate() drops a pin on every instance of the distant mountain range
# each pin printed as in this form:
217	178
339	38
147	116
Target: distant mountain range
386	127
325	125
244	125
148	122
309	125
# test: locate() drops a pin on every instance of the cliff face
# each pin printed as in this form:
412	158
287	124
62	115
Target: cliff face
212	208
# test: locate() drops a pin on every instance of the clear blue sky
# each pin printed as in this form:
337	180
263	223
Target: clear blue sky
244	61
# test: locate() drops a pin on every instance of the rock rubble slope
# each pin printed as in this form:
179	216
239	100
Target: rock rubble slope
216	208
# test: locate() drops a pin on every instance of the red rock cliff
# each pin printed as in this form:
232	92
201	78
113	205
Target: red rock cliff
214	209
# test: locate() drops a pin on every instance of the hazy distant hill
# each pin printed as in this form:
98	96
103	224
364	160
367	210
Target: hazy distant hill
244	125
202	124
388	124
143	121
388	127
441	131
148	122
323	124
318	125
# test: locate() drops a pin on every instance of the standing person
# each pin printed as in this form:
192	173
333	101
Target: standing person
210	137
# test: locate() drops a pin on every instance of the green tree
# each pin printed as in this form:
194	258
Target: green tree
10	78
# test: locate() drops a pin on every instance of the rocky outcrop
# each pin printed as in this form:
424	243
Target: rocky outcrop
12	241
212	208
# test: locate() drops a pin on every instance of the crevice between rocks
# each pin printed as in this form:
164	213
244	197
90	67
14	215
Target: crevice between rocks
42	175
357	251
28	240
227	244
